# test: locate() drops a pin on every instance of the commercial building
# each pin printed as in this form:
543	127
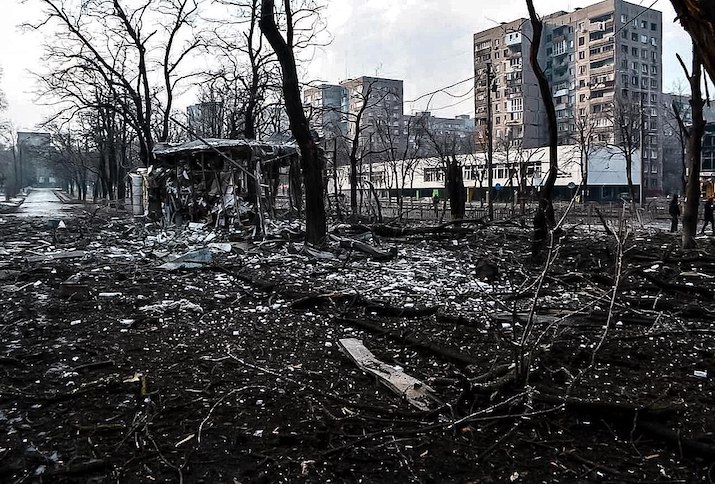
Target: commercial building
525	170
604	66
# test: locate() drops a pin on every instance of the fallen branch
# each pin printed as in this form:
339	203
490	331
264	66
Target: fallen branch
414	343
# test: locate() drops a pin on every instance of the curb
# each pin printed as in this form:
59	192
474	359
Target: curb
66	198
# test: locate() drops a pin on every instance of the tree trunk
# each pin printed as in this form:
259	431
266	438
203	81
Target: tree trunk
695	144
544	217
311	162
455	189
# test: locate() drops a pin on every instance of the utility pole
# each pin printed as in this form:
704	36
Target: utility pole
490	144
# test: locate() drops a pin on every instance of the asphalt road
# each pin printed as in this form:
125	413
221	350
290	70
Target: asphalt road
42	202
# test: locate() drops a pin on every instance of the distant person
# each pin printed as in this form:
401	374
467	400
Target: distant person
435	202
674	211
709	216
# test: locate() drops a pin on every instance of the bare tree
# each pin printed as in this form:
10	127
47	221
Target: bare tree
311	162
247	82
628	123
585	134
695	144
402	157
677	115
698	19
447	147
544	218
134	53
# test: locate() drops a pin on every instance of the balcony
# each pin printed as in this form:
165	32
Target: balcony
512	38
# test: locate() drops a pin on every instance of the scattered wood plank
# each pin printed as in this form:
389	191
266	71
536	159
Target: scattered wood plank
411	389
72	254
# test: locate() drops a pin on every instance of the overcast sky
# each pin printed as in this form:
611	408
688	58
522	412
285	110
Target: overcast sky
427	43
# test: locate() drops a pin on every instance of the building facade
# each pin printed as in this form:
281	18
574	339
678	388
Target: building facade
422	127
323	106
604	65
378	102
527	169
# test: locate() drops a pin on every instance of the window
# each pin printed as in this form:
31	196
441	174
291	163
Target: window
624	64
654	55
582	98
644	68
634	66
653	41
624	34
498	120
634	37
653	83
634	51
624	49
581	41
644	39
634	80
582	55
624	78
654	70
644	53
581	26
433	174
644	24
496	42
624	18
581	83
653	26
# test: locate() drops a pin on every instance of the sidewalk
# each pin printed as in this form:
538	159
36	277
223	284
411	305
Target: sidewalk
9	206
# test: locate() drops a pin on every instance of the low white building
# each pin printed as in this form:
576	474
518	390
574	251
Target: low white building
419	178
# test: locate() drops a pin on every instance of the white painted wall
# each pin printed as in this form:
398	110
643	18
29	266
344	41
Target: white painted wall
607	167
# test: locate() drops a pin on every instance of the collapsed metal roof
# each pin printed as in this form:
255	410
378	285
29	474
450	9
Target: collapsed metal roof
212	144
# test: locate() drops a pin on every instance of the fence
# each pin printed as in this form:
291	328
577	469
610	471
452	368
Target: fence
423	210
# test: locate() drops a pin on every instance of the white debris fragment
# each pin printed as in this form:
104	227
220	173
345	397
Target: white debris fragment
161	308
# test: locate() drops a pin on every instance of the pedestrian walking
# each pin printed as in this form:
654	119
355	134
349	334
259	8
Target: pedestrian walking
708	216
674	211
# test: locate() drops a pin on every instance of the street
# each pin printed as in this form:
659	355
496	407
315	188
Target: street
43	202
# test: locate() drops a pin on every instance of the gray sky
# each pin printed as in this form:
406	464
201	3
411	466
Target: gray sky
427	43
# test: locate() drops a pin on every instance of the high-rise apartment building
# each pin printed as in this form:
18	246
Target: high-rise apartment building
379	102
323	105
601	60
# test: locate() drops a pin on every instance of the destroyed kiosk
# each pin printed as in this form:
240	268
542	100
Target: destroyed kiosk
215	180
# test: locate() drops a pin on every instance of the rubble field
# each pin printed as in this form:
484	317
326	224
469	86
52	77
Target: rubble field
135	353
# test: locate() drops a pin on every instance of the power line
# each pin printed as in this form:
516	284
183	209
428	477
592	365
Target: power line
441	89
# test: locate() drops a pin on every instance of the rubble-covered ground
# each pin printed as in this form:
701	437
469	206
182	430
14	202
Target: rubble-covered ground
225	366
